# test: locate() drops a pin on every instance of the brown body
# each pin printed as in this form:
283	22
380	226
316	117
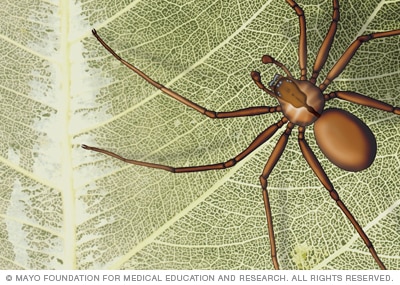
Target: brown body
345	140
301	101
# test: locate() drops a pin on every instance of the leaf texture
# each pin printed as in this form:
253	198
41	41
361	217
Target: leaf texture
63	207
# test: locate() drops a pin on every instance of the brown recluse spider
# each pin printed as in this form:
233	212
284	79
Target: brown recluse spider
343	138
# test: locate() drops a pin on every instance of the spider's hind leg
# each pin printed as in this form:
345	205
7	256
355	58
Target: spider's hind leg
320	173
272	160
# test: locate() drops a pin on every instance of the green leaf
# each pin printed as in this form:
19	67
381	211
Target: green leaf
63	207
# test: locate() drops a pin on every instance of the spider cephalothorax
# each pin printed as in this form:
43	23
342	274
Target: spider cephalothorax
301	101
344	139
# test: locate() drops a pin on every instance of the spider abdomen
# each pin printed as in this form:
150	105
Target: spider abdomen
345	140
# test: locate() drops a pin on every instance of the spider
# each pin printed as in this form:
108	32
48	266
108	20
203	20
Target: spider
343	138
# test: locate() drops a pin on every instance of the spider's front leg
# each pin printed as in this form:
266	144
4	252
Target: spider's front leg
302	38
327	43
252	111
320	173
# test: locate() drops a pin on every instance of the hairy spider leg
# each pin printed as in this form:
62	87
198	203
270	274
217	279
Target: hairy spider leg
252	111
349	53
361	99
269	166
323	52
302	39
259	140
320	173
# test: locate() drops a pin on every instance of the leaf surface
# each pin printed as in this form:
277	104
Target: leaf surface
63	207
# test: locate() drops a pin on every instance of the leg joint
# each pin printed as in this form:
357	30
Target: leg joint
230	163
334	195
210	114
263	182
364	38
298	10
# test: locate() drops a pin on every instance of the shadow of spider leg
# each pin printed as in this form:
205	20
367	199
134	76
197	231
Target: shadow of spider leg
259	140
251	111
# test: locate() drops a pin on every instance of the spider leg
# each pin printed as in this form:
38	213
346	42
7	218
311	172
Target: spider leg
349	53
326	44
302	39
272	160
252	111
363	100
259	140
320	173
